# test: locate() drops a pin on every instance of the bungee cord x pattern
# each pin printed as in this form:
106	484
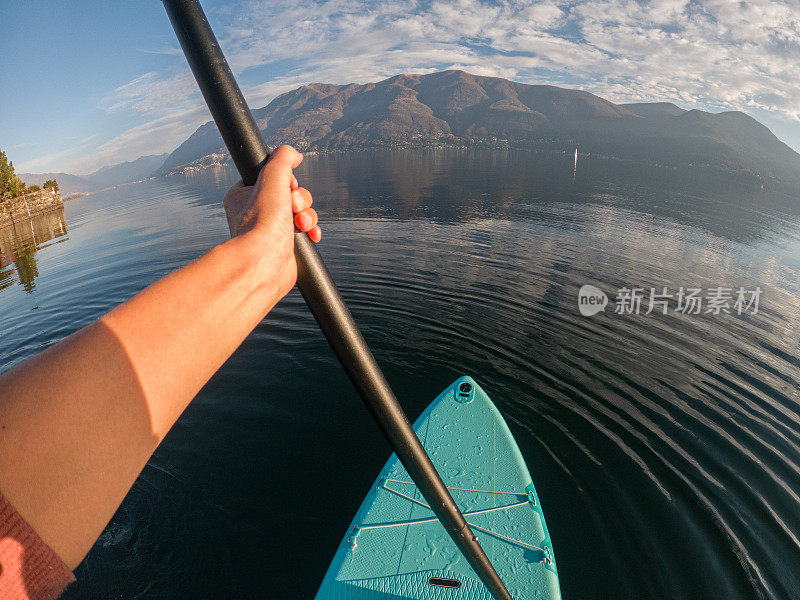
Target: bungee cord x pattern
529	500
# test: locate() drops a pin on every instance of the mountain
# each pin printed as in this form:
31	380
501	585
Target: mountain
454	108
451	107
654	110
141	168
67	183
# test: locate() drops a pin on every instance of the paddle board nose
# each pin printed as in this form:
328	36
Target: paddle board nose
395	547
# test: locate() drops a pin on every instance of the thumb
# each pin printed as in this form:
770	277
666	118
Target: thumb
273	189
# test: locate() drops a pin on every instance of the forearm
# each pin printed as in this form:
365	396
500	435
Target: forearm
79	421
180	330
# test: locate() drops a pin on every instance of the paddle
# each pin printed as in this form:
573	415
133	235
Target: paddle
249	153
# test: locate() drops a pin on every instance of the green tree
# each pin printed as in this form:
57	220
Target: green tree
10	184
16	186
6	173
33	188
50	183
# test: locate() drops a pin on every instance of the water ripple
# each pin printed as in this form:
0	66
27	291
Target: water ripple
665	447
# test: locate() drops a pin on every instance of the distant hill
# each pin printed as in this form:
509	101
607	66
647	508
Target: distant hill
141	168
67	184
454	108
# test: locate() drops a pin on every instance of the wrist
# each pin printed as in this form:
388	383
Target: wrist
265	264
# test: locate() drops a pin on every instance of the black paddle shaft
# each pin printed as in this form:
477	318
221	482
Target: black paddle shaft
249	153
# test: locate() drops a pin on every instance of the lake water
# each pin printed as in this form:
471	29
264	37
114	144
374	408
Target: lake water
665	447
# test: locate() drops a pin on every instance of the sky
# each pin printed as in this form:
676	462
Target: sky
92	83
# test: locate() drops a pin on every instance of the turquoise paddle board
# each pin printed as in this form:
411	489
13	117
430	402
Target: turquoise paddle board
396	549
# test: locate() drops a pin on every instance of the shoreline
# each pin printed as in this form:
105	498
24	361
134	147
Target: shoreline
28	206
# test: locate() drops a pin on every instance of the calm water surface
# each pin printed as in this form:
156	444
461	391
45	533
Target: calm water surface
665	448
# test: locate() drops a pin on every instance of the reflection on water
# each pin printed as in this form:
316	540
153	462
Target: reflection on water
20	241
666	448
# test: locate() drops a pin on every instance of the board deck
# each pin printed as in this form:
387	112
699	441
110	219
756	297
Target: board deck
396	549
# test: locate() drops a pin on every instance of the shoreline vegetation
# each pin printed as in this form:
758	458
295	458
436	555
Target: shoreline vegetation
20	201
222	160
29	205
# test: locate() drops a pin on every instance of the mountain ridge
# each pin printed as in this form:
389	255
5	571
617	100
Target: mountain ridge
125	172
456	108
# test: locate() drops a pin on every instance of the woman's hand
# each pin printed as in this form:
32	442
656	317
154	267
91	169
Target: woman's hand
276	193
265	214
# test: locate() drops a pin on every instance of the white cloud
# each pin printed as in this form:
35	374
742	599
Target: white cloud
716	54
153	137
44	163
164	50
152	92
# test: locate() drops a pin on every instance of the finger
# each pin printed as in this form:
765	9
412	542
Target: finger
306	219
294	185
301	200
315	234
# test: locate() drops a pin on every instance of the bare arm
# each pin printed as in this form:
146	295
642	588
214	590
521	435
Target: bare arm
79	421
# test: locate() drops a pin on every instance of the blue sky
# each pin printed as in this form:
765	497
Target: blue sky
91	83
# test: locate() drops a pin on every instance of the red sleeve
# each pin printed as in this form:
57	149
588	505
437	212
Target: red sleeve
29	569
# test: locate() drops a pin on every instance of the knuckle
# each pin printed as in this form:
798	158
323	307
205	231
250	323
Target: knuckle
283	149
302	197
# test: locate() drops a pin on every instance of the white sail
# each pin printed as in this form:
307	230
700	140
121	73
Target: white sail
575	167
